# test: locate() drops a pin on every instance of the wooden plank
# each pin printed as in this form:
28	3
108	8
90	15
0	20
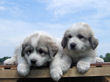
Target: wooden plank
7	67
108	79
99	64
14	66
93	71
8	80
44	73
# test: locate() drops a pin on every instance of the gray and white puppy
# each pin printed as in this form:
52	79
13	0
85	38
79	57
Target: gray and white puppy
36	50
79	47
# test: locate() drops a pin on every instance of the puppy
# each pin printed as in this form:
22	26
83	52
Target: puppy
36	50
79	47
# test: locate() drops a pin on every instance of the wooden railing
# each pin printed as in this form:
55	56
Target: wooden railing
8	73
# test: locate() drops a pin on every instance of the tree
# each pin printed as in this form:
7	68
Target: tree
107	57
101	56
3	59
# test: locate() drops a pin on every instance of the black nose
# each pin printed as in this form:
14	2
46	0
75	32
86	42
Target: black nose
33	61
72	45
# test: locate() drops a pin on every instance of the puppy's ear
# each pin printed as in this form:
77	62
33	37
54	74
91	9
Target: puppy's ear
93	42
22	51
64	42
53	49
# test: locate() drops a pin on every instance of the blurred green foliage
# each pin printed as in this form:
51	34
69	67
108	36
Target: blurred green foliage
106	58
2	59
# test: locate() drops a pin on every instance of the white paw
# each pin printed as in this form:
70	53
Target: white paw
99	60
56	74
83	67
23	70
9	61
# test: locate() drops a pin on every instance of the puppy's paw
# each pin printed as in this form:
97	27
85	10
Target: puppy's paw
9	61
83	67
23	70
56	74
99	60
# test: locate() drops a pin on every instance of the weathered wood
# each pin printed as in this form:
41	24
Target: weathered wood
107	79
99	72
99	64
8	80
7	67
14	66
44	73
93	71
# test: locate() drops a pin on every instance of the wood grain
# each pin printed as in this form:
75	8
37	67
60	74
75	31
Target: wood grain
44	73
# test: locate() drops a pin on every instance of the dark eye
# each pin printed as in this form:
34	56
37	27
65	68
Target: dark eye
40	51
80	36
28	52
69	36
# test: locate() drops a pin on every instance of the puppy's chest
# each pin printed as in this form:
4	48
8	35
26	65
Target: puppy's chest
76	57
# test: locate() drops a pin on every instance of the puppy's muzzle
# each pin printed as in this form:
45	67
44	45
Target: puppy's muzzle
33	61
72	45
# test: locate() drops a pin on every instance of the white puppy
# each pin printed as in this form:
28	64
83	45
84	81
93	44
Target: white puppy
36	50
79	47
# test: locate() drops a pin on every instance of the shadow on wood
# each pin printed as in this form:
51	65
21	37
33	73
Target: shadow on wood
77	79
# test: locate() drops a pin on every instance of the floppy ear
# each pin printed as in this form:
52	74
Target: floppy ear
93	42
18	50
22	51
64	42
53	49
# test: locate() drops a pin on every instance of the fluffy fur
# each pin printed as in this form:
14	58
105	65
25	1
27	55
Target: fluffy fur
37	49
79	47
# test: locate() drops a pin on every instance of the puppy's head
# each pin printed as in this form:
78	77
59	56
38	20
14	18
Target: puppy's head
38	49
79	38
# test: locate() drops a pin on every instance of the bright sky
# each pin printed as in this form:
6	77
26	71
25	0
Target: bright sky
18	18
